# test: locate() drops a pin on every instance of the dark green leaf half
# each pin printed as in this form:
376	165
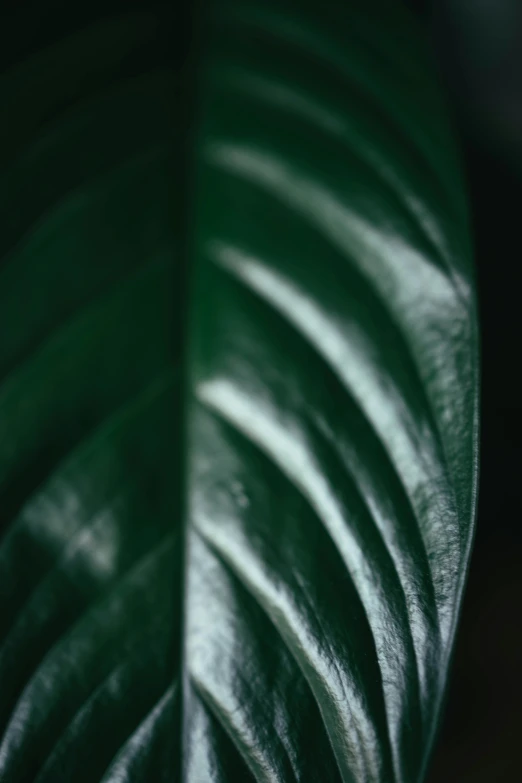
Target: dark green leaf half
90	549
328	439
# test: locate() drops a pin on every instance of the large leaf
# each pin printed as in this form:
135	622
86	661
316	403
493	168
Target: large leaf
234	551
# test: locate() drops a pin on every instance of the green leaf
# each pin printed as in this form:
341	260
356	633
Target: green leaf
236	515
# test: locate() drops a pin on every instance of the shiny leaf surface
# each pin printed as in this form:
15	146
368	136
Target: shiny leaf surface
232	549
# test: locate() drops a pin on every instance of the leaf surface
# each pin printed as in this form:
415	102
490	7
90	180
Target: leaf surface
232	548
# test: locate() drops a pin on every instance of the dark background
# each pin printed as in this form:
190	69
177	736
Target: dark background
479	48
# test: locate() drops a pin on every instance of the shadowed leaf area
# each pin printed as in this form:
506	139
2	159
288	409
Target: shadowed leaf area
238	395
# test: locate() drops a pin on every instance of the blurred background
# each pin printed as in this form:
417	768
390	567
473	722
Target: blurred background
479	47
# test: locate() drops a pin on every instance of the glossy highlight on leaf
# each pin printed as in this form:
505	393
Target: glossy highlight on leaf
236	513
